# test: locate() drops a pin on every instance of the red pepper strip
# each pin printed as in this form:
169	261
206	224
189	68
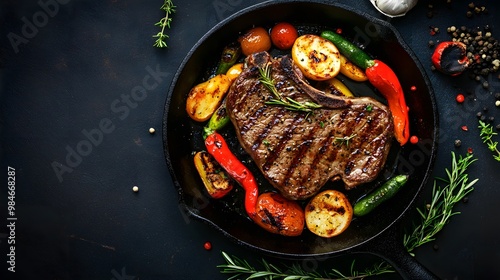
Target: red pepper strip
385	80
218	148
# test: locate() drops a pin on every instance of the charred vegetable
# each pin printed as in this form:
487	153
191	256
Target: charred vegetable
450	58
328	214
316	57
229	57
377	197
279	215
205	97
336	87
383	78
218	148
214	179
351	70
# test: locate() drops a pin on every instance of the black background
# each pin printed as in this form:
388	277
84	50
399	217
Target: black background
69	76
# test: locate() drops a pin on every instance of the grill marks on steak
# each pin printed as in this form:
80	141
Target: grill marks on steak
348	139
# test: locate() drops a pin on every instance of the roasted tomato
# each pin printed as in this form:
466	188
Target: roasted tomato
279	215
283	35
255	40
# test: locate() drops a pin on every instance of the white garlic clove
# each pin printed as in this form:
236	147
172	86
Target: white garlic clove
394	8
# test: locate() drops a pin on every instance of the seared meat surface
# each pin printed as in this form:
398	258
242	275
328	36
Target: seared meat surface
346	139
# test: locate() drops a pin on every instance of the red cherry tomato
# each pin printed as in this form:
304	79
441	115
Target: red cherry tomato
283	35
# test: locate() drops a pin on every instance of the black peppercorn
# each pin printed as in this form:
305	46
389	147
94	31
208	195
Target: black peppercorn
458	143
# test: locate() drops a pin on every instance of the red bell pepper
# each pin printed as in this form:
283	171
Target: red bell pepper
218	148
386	82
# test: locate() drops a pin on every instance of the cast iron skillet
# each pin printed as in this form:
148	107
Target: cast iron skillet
374	233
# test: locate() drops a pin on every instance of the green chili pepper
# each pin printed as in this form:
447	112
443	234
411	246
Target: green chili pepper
228	58
348	49
377	197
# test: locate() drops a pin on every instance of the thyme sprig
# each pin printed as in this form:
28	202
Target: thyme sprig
441	208
291	104
243	270
487	134
161	37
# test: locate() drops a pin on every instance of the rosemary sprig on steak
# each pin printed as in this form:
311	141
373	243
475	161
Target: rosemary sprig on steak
345	140
266	79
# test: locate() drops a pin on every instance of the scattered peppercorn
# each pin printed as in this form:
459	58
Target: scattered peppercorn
458	143
152	130
135	188
465	128
413	88
470	150
498	127
207	246
414	139
482	49
460	98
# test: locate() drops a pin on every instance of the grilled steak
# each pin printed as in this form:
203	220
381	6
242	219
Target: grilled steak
298	152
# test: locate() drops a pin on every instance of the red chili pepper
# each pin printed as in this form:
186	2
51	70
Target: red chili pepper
382	77
450	58
218	148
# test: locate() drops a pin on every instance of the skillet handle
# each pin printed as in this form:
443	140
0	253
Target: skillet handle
389	246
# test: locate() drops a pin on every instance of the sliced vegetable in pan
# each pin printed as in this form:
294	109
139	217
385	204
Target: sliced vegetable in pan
328	214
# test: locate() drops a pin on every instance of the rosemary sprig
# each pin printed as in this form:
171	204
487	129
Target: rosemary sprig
243	270
487	134
266	79
161	37
345	140
438	213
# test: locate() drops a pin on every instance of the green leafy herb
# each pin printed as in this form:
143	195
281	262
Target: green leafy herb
243	270
487	134
344	140
440	210
289	103
161	37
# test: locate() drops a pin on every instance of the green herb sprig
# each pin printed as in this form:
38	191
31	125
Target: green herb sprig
438	213
243	270
161	37
289	103
487	134
345	140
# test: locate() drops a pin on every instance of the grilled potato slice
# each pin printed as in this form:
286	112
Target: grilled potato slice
328	214
316	57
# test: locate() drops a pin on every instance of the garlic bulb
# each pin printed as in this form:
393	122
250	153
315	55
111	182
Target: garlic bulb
394	8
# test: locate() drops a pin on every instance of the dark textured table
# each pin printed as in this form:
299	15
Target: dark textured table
81	85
